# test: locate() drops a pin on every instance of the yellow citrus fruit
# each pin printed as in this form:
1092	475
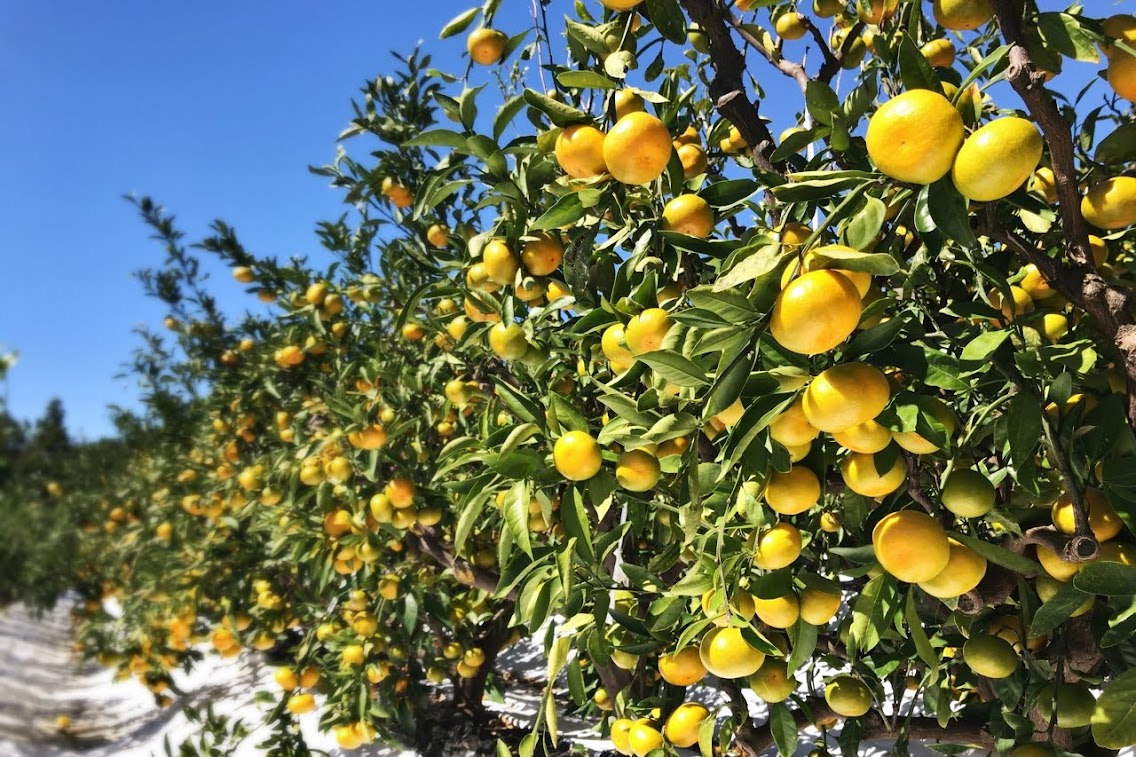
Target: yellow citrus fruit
1056	565
1019	303
915	136
412	332
637	470
645	332
1044	184
860	475
541	256
940	53
829	523
777	546
964	570
1103	520
620	5
990	656
499	262
486	46
962	15
1034	284
285	678
693	159
621	734
1071	703
627	101
791	428
997	159
792	492
1033	750
790	25
726	653
714	606
1122	73
1111	204
577	456
438	235
579	151
637	149
968	494
845	395
819	606
299	704
507	340
643	737
868	437
911	545
779	612
682	668
689	214
916	444
682	727
848	696
729	417
772	682
813	260
816	312
793	235
613	343
876	11
1114	551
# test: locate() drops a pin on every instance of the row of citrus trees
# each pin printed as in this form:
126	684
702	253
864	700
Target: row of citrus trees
842	417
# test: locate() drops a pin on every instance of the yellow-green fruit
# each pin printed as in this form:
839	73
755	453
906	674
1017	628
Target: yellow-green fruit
962	15
845	395
576	456
637	470
646	331
816	312
508	341
682	727
1033	750
911	545
990	656
726	653
643	737
777	547
772	682
689	214
915	136
792	492
682	668
997	159
860	474
868	437
486	46
968	494
779	612
579	151
621	734
792	429
1055	326
819	607
964	570
1047	589
1111	204
1072	703
848	696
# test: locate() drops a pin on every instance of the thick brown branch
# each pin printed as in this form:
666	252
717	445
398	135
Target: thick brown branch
425	541
1070	548
833	62
727	89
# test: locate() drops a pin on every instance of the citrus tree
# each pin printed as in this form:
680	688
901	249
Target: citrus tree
843	417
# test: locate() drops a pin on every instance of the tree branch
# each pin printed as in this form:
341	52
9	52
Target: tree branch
425	541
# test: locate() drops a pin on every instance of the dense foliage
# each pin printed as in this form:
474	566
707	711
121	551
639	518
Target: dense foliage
845	416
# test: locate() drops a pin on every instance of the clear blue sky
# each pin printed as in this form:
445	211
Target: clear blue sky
213	108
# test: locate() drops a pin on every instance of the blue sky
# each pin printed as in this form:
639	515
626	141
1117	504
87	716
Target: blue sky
213	108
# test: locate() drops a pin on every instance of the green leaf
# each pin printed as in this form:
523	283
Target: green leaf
1119	146
1063	32
1122	627
438	138
469	517
821	101
984	345
923	646
574	516
914	69
459	23
723	194
802	642
872	614
763	261
675	368
567	210
998	555
518	404
732	306
506	113
516	512
863	228
1107	578
783	727
874	339
1057	610
946	210
1024	423
988	63
584	80
1114	719
560	114
875	263
667	17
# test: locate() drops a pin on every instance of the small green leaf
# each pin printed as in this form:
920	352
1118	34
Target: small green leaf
723	194
783	727
1024	422
459	23
1057	610
438	138
675	368
567	210
821	101
1107	578
1114	719
584	80
516	511
668	19
872	614
761	262
983	346
560	114
875	263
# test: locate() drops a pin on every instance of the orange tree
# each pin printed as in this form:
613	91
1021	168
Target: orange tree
844	417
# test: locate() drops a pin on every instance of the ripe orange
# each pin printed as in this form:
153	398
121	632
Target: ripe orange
726	653
637	470
637	149
965	568
299	704
621	734
689	214
868	437
500	263
845	395
819	606
860	475
997	159
1056	565
1111	204
715	607
812	260
816	312
412	332
694	161
627	101
777	546
614	348
643	736
790	26
792	492
940	52
646	331
1044	184
486	46
682	727
962	15
1122	73
1103	520
772	682
791	428
576	456
579	151
779	612
911	545
620	5
915	136
682	668
541	256
438	235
